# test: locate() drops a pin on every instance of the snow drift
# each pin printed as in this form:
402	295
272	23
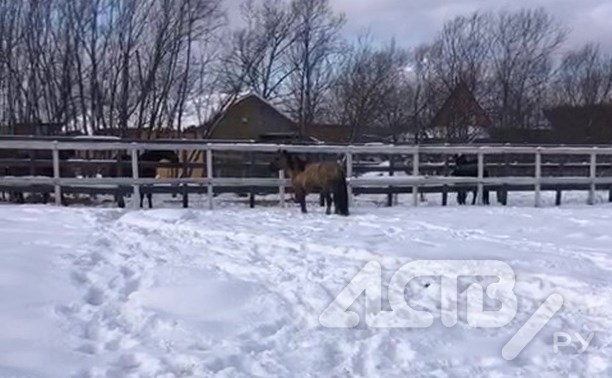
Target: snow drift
238	293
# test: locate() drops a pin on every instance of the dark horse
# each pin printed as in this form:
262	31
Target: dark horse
465	167
327	177
43	170
149	169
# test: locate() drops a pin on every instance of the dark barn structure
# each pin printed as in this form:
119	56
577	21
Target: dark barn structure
461	118
590	124
32	128
251	118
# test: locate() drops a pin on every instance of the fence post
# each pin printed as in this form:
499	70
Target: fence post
281	187
349	174
391	174
185	187
250	173
446	172
209	175
559	196
321	196
119	197
135	175
415	174
480	192
593	176
56	175
538	177
504	191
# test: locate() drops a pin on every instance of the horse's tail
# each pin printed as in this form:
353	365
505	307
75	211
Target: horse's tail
341	200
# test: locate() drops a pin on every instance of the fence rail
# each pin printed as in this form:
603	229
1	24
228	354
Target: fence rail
102	145
415	182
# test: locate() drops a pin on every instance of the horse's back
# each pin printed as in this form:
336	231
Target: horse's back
320	175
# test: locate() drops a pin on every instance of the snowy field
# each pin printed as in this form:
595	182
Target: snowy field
238	292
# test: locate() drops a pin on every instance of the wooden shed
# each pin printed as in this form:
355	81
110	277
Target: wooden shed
251	118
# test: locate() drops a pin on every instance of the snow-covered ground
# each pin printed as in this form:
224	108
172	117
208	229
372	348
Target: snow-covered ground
236	292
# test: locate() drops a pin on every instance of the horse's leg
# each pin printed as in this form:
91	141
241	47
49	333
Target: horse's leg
150	199
461	197
141	199
322	198
474	197
300	195
336	207
328	199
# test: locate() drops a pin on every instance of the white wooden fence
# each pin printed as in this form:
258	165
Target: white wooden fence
415	181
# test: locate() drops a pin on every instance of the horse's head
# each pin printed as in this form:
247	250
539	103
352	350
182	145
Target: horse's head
288	162
280	162
461	159
155	156
168	155
67	154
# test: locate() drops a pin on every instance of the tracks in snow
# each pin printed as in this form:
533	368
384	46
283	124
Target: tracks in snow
295	272
109	326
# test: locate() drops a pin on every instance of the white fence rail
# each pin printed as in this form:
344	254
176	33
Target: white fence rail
415	181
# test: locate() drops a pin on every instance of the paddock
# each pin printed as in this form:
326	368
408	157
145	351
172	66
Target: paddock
385	170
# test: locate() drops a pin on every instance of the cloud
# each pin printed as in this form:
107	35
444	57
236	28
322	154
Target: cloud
416	21
413	22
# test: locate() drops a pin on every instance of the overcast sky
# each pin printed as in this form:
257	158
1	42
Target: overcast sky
416	21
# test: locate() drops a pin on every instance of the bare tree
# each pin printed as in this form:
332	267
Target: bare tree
525	42
461	52
370	92
102	64
312	57
584	78
426	92
261	48
110	65
459	55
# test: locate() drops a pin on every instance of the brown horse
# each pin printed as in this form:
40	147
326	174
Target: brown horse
327	177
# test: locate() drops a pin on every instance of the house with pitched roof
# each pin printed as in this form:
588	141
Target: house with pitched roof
252	118
460	119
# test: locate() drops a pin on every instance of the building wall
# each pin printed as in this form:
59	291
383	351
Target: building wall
250	118
34	129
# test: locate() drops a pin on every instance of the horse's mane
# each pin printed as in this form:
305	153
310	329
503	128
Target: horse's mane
159	155
295	163
300	163
462	160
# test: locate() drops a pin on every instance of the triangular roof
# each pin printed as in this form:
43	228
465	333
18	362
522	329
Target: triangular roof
461	102
241	100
